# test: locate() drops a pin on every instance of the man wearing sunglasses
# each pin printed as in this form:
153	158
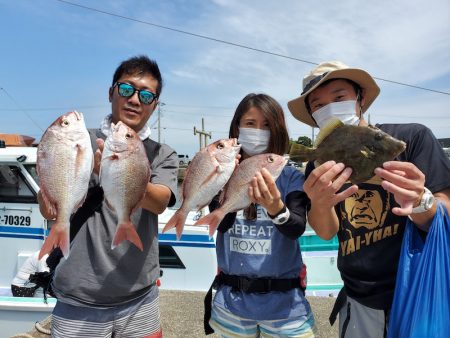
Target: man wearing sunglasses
103	292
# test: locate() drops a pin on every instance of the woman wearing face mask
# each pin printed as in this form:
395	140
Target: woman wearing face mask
259	289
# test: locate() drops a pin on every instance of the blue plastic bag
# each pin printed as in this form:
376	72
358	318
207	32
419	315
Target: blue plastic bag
421	306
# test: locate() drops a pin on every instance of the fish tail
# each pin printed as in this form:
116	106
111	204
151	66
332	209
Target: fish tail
126	231
212	220
300	153
177	221
59	237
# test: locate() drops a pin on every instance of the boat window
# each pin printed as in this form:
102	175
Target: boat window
31	168
447	151
168	258
13	186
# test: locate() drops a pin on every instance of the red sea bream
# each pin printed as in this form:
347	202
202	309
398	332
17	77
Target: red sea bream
208	172
64	165
124	175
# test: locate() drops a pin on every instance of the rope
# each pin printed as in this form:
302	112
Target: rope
42	329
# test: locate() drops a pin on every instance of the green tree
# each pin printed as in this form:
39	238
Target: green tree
304	140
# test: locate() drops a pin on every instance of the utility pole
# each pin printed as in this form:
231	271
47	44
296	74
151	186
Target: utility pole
160	104
202	133
312	137
205	135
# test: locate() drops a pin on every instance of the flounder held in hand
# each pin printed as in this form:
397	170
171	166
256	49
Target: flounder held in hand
208	172
235	194
124	174
362	148
64	165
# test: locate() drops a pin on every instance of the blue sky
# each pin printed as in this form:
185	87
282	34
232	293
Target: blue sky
56	57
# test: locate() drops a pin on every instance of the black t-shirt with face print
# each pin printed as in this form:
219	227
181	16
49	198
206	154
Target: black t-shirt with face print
370	235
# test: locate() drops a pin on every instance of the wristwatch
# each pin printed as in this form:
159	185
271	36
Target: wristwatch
426	202
281	217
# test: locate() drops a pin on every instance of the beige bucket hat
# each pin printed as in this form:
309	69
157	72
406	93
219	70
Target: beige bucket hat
332	70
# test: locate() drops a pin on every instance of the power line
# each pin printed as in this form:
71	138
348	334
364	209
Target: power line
20	108
187	129
198	106
172	112
53	108
201	36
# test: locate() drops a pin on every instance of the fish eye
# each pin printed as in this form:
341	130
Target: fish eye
128	135
270	159
220	146
378	136
65	122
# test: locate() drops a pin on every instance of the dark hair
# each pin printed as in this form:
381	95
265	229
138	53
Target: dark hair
356	87
139	65
272	111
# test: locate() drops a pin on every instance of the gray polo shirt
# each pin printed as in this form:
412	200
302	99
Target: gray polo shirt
93	274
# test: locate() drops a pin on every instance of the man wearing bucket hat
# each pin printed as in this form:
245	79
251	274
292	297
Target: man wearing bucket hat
369	219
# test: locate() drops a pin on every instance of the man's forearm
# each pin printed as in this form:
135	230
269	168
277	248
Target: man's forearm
423	220
324	222
156	198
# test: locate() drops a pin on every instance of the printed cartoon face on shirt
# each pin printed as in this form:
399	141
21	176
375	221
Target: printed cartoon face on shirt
365	216
365	209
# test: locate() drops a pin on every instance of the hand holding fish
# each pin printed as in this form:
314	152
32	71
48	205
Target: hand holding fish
264	192
235	195
324	182
322	186
98	155
405	181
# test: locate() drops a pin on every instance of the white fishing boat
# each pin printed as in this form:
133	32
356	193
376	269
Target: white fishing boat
187	264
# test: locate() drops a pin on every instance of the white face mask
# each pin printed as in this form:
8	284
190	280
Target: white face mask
344	111
253	141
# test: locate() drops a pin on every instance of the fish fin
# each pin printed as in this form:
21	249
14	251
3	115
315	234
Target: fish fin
300	153
127	231
79	158
49	205
220	169
223	194
210	177
366	152
179	231
138	205
212	220
59	237
177	221
111	157
327	129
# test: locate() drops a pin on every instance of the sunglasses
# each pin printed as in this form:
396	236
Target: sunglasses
127	90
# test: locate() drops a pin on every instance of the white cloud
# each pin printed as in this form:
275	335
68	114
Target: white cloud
403	40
